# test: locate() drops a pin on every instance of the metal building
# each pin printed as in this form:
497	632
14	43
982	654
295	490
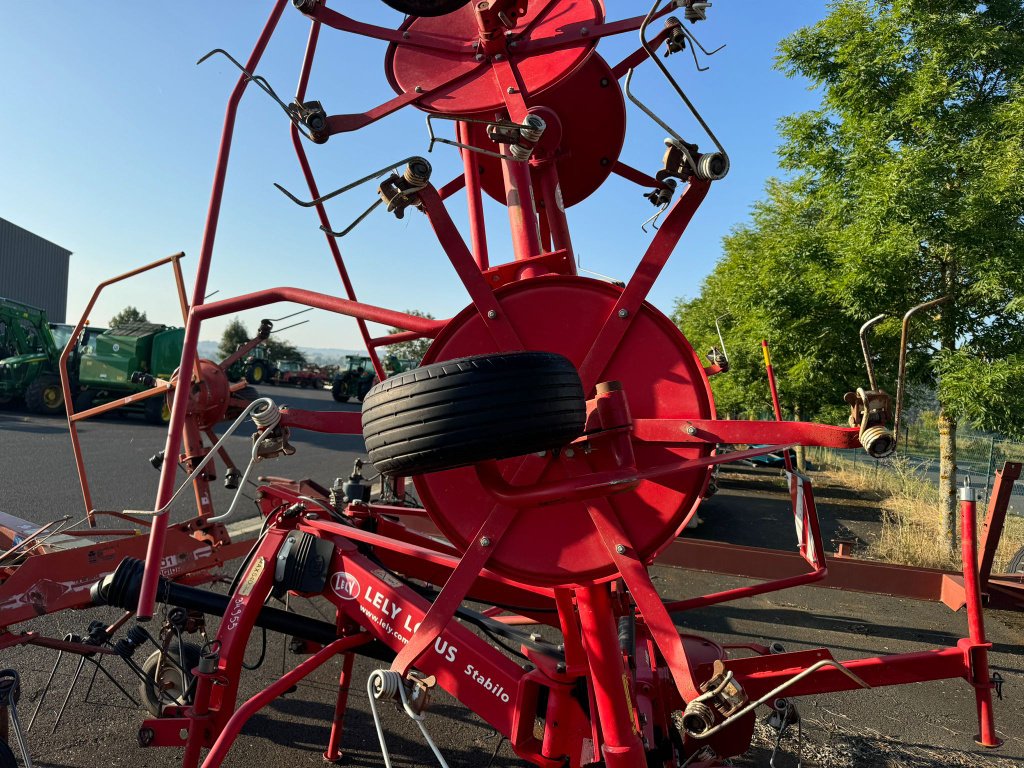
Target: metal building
33	270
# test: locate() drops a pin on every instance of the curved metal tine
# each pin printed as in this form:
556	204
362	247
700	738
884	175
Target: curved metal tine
693	39
354	224
289	327
646	45
293	314
721	339
264	85
866	348
347	187
665	126
654	219
647	110
437	140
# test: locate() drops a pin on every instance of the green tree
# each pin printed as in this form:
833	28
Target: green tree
914	162
127	315
410	350
280	350
234	334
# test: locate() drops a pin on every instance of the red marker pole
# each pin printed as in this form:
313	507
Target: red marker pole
980	677
775	396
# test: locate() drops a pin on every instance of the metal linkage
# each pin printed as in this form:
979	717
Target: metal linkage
521	138
397	192
384	684
10	693
309	117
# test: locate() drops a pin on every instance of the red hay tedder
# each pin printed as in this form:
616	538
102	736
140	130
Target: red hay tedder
560	434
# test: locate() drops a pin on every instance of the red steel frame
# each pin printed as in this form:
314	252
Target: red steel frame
426	636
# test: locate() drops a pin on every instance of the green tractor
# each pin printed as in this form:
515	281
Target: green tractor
29	358
110	369
255	367
356	380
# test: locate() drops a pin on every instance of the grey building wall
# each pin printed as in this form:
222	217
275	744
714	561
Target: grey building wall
33	270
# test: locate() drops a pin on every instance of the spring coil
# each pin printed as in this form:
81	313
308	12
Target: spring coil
386	684
879	442
529	134
713	166
266	415
417	172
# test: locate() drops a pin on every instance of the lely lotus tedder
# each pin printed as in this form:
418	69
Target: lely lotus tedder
560	434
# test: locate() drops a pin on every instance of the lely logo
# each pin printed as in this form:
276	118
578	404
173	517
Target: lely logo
345	586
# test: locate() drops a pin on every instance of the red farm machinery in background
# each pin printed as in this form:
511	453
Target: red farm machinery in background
560	432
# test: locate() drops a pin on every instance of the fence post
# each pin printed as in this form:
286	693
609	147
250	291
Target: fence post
991	456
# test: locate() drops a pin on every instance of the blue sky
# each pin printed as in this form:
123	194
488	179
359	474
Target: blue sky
109	133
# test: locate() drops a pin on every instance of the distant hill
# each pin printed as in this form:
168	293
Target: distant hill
315	355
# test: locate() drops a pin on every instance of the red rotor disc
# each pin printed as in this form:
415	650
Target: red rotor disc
662	378
476	92
592	115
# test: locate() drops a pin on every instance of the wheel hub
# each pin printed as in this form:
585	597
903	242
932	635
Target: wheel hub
662	377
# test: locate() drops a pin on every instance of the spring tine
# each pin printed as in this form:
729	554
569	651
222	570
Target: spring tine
46	689
110	677
26	756
693	52
347	187
355	223
654	219
71	688
92	680
263	84
693	39
645	43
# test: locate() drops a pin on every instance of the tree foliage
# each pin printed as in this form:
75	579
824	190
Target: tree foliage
410	350
278	349
234	334
906	184
127	315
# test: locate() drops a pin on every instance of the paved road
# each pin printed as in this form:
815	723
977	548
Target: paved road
39	482
923	726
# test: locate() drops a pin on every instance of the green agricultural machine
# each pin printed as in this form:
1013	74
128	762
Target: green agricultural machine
30	350
356	380
122	356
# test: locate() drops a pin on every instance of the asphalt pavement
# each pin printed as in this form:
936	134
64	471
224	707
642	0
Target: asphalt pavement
921	726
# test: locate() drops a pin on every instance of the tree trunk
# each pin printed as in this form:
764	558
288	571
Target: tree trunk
947	479
801	450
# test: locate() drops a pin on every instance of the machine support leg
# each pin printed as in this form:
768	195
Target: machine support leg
333	753
622	747
979	670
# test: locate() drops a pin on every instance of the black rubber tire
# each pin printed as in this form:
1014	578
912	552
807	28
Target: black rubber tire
157	411
85	400
339	395
472	409
40	397
7	759
426	7
148	691
1017	562
257	373
365	387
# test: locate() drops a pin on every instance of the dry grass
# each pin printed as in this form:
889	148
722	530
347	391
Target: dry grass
911	531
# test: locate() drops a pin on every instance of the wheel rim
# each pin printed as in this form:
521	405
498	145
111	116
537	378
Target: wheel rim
257	374
165	413
52	396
